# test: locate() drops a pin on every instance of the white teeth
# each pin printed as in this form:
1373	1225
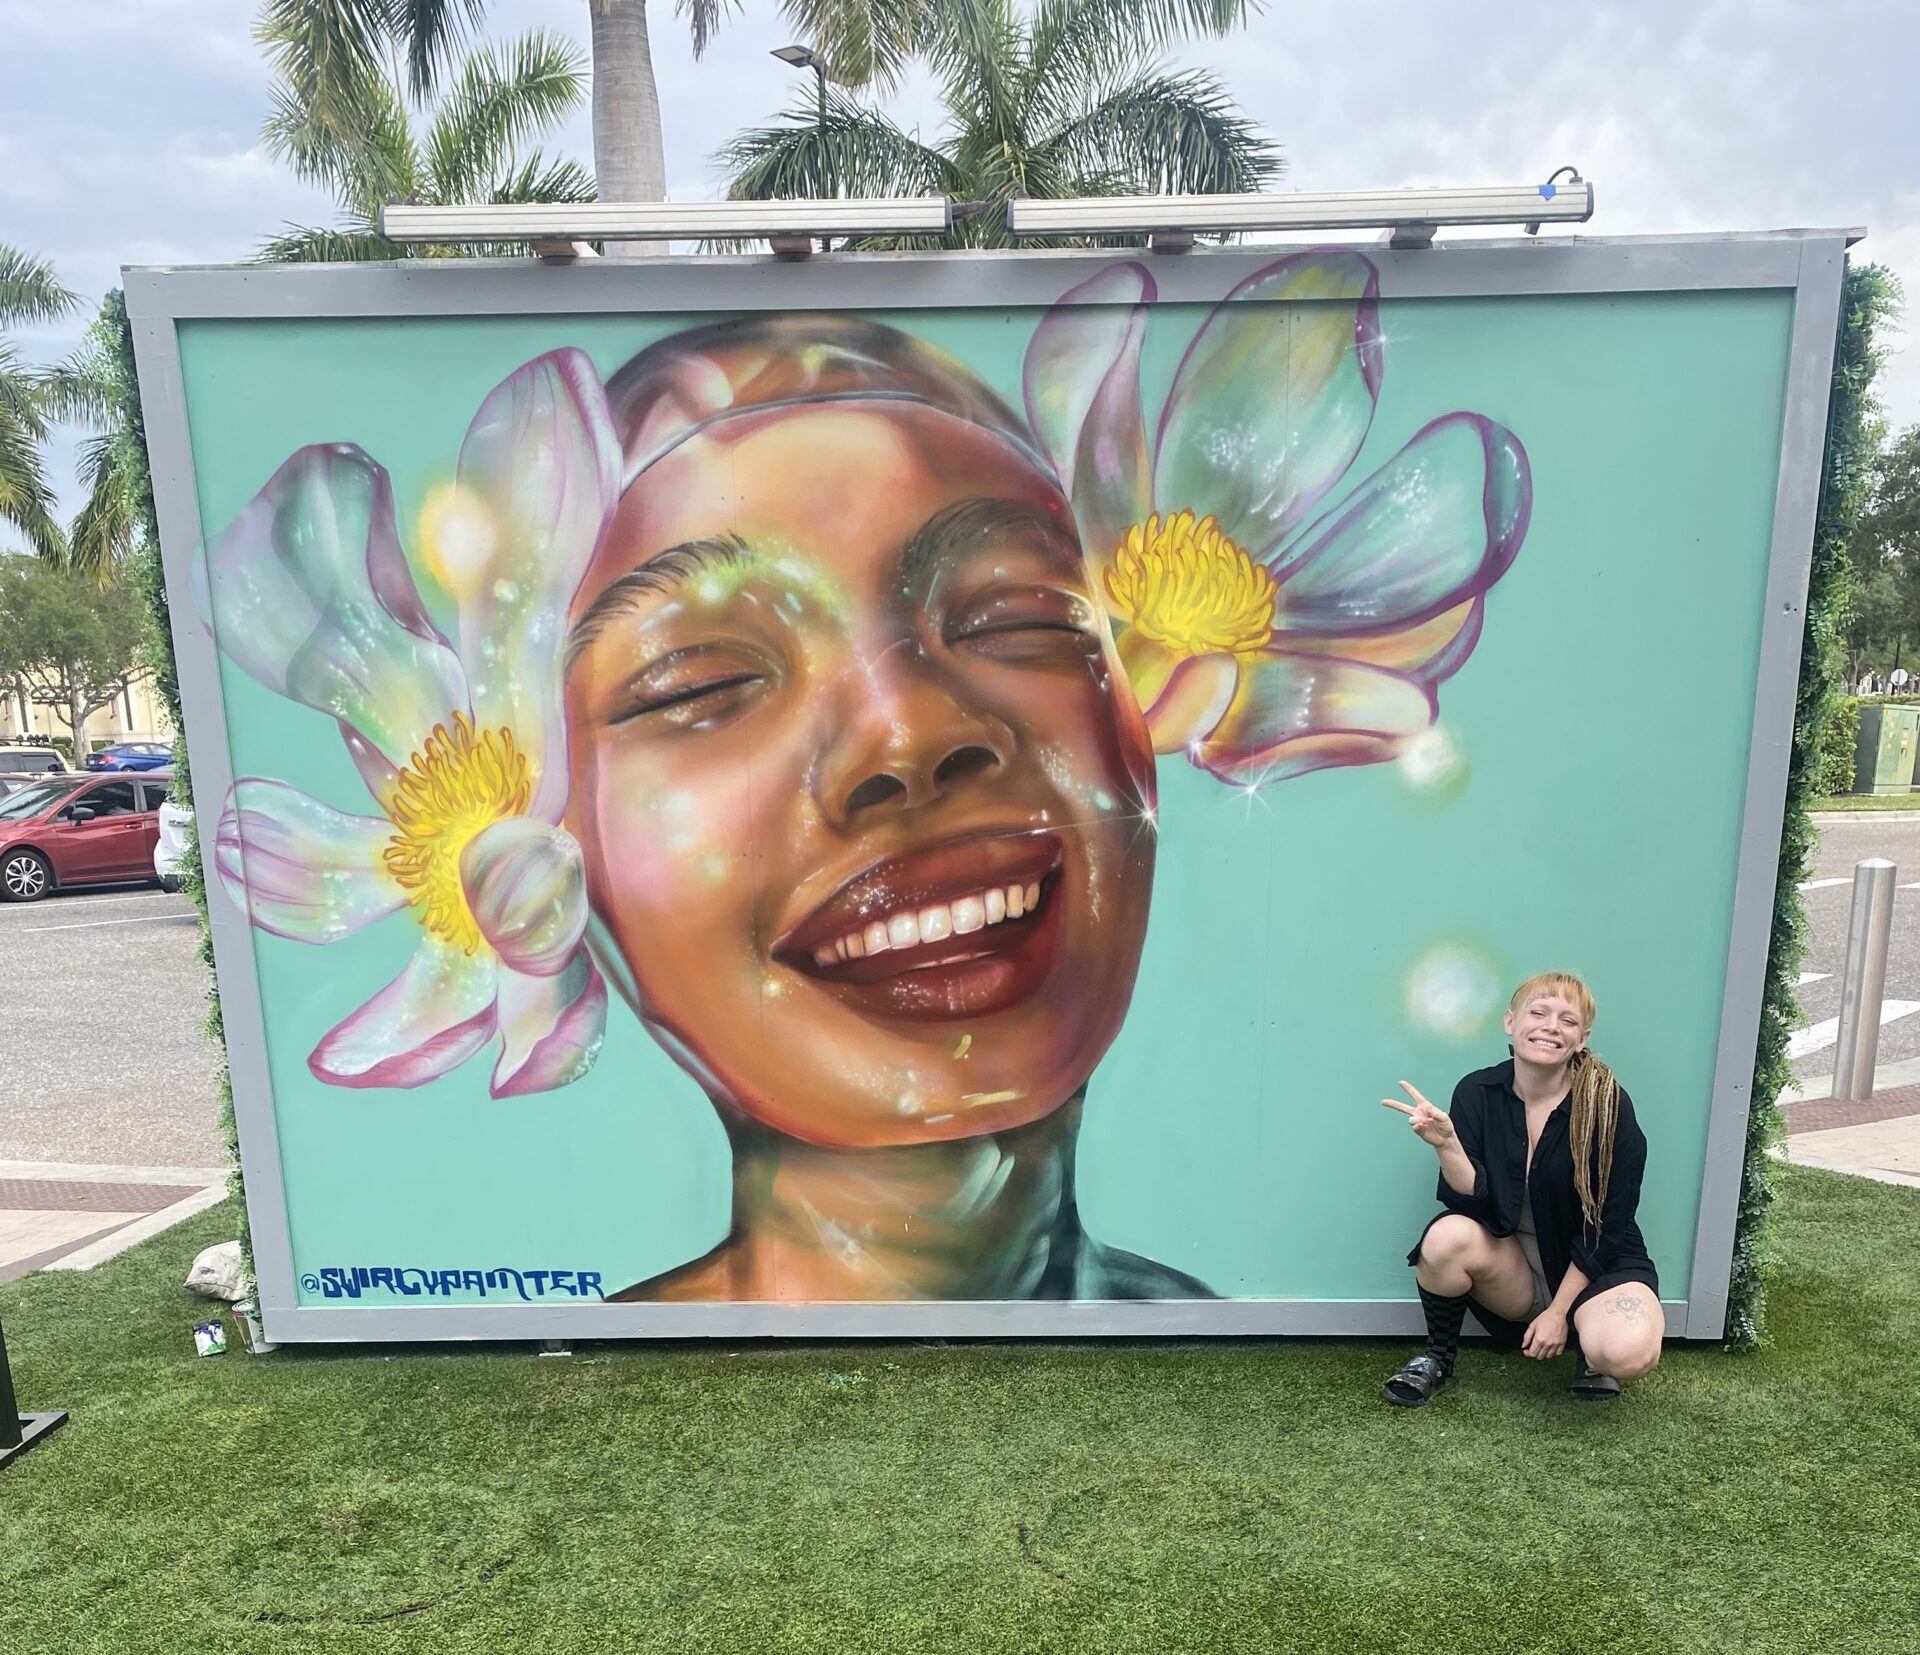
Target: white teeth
961	917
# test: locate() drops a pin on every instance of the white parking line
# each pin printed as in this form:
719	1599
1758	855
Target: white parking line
1822	1035
1812	977
1822	884
95	924
68	902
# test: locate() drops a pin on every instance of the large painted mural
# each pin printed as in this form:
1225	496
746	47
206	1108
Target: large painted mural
833	711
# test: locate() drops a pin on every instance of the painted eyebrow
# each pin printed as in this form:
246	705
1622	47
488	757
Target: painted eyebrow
960	528
663	572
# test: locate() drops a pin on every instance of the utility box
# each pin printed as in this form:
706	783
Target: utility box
1883	756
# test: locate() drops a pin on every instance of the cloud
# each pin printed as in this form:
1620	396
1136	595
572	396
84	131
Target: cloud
132	132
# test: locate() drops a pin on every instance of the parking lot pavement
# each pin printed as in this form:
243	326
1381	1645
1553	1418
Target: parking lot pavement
102	1059
1828	895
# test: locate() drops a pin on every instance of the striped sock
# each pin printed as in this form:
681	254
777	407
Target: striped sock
1444	1316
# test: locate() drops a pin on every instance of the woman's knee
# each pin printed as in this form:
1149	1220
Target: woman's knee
1624	1358
1453	1239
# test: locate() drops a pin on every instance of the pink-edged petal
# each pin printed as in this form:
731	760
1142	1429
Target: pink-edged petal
539	477
425	1023
1183	697
1274	397
1433	528
550	1028
1082	385
526	885
1294	713
311	595
300	868
1433	650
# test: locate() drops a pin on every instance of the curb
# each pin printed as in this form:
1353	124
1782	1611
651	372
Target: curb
1822	818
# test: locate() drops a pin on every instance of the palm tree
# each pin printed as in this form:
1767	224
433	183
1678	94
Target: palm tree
1068	100
467	149
29	293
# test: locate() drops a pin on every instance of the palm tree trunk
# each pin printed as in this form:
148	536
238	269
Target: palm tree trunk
629	149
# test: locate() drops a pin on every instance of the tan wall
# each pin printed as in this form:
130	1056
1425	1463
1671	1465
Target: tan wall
136	715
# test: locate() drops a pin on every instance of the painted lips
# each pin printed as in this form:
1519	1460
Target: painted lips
955	930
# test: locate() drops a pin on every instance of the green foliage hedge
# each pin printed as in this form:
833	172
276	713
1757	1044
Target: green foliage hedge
1869	298
1837	741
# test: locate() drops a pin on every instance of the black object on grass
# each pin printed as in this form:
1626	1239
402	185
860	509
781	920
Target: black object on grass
18	1431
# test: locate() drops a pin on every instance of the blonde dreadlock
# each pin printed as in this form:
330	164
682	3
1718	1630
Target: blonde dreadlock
1596	1112
1595	1105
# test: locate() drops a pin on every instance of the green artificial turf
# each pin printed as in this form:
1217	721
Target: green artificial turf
1252	1496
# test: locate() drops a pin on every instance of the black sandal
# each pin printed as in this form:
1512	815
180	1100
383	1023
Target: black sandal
1589	1386
1415	1385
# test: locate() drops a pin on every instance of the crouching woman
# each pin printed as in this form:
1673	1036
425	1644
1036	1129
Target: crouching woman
1540	1166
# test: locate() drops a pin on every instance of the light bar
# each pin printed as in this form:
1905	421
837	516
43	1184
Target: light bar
928	215
1570	201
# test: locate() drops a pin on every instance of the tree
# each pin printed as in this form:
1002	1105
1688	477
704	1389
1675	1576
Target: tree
66	642
467	150
28	293
1069	100
1883	622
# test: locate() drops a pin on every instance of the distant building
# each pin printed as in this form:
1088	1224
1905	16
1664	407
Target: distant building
136	714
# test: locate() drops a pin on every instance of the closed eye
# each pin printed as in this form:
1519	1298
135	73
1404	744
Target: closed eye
690	704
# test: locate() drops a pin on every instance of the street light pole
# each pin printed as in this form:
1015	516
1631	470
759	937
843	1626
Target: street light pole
802	57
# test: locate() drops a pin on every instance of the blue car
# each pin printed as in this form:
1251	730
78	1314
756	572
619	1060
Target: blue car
131	755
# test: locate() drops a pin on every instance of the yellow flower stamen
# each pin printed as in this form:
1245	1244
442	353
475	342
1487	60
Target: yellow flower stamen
456	787
1189	588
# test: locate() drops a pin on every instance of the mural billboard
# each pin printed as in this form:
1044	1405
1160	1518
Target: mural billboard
932	794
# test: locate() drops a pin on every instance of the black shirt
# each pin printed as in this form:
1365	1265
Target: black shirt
1491	1122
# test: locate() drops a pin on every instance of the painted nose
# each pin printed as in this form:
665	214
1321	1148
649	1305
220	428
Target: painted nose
906	749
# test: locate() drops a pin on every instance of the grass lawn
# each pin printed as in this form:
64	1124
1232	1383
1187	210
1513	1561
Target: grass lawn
1868	801
899	1498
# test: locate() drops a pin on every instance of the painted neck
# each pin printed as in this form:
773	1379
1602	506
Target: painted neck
974	1218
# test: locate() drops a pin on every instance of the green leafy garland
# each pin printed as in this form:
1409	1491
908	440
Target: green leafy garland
1869	296
112	341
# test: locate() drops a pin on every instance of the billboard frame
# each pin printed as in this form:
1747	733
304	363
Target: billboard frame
1808	263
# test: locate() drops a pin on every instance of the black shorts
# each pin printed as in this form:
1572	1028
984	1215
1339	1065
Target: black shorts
1506	1335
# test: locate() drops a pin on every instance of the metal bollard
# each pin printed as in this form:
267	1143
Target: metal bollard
1864	984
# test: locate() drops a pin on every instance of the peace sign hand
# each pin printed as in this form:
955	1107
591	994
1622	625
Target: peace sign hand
1432	1125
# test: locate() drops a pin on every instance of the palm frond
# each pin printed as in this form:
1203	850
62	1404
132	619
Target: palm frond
331	56
863	42
347	245
853	151
432	33
1169	134
104	531
25	499
29	291
1080	41
543	178
374	162
501	98
704	18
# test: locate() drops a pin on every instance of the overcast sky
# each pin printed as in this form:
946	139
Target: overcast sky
129	129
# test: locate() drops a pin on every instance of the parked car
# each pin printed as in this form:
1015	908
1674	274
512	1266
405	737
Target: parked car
63	831
176	828
131	755
25	760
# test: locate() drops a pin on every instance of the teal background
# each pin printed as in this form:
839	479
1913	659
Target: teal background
1234	1129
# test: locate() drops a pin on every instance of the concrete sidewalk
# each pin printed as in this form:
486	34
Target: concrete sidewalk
61	1216
1877	1138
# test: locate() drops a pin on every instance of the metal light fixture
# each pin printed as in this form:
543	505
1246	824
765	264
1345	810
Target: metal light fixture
1411	216
563	223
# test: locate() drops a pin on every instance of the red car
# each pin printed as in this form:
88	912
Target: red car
79	830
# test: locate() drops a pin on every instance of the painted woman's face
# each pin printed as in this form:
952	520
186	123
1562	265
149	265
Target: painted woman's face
865	802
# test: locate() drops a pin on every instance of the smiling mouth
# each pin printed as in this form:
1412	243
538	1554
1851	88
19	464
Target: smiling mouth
956	930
